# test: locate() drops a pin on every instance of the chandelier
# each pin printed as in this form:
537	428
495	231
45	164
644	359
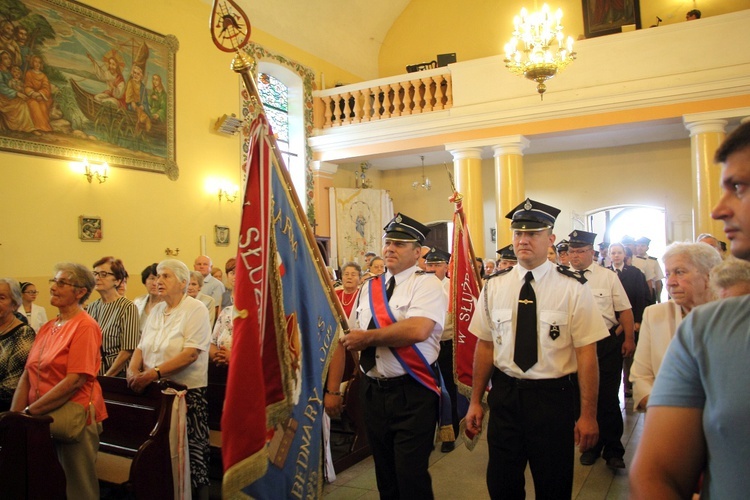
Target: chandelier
425	184
536	50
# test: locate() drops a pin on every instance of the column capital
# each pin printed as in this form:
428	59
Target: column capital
462	153
510	145
706	126
324	167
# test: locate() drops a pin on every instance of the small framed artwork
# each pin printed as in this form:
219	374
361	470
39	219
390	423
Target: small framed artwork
221	236
89	228
604	17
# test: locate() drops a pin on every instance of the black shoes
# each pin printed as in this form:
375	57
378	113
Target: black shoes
615	463
589	457
447	446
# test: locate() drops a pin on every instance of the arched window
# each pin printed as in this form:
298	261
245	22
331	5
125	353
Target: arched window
281	93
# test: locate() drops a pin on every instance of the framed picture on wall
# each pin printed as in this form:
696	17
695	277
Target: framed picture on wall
85	84
221	236
604	17
89	228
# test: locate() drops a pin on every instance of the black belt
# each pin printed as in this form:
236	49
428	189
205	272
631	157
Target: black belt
499	377
389	383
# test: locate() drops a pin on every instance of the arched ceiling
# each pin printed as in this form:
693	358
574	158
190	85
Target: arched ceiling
345	33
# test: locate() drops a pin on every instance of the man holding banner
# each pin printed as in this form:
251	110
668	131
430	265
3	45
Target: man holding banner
536	325
397	326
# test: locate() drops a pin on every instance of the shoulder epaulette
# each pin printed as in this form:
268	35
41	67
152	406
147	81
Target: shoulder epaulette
422	272
572	274
499	273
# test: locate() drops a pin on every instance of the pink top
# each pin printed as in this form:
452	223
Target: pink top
74	347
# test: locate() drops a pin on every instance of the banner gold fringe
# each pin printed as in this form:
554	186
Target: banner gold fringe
243	473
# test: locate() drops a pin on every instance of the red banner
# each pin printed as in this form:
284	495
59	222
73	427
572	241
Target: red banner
254	379
463	299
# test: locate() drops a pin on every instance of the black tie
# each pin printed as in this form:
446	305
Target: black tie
367	357
525	355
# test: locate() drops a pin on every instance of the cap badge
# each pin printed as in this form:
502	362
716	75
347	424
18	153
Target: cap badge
399	219
527	205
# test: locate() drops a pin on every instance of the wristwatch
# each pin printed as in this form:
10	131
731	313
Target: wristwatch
158	372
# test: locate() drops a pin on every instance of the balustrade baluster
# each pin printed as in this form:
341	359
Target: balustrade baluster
408	93
427	81
327	103
448	92
438	91
366	105
347	109
397	104
418	93
385	89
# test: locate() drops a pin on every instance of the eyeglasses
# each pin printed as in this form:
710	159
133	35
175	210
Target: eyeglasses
578	251
102	274
56	282
31	292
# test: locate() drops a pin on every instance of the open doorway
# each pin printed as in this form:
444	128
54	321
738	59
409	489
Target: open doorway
612	223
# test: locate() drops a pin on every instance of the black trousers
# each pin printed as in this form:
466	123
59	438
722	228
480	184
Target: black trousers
400	420
445	360
608	413
531	422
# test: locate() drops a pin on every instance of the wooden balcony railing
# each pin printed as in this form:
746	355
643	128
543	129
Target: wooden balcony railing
410	94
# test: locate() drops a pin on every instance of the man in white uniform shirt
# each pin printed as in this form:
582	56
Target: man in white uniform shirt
649	266
615	309
537	325
211	286
399	319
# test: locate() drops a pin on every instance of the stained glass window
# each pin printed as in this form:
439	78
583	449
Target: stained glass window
275	97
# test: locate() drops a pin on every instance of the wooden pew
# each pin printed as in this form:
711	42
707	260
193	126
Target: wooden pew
134	444
349	443
28	462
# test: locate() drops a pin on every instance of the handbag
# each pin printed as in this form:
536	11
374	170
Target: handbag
68	422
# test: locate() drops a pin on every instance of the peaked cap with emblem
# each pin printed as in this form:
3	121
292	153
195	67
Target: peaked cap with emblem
580	238
507	253
436	255
643	241
562	246
628	240
603	245
405	228
532	216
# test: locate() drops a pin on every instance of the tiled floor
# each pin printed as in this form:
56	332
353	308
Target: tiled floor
460	474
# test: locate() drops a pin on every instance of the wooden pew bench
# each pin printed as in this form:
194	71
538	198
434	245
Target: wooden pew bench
28	462
134	444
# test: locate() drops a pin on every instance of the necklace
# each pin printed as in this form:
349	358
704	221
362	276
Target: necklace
8	325
343	298
58	324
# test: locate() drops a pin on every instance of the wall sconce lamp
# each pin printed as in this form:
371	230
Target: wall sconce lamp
91	171
172	253
228	192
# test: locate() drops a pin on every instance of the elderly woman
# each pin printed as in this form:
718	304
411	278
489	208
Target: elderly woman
16	338
731	278
347	295
226	298
117	317
60	377
194	291
145	303
175	345
35	315
221	338
688	266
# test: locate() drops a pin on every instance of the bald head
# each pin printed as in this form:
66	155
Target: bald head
203	265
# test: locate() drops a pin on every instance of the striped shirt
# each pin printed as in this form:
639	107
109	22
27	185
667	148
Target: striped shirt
120	328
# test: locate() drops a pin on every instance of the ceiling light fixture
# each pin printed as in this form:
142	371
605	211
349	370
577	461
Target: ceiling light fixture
536	50
425	184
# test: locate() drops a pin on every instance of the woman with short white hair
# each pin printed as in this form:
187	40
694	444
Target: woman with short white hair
175	345
688	267
731	278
